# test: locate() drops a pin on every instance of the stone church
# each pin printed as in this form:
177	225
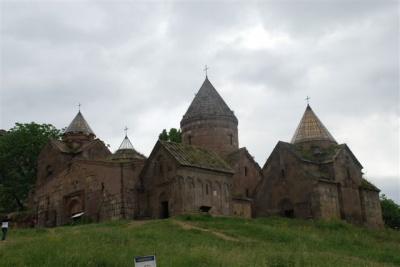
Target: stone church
315	177
311	177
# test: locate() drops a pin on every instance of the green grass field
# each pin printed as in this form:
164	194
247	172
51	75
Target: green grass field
203	241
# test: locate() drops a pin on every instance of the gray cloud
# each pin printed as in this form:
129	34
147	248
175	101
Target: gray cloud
140	64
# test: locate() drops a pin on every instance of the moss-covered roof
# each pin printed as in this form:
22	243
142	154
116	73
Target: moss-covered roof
126	155
317	154
192	156
365	184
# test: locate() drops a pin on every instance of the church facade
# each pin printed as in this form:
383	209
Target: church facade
311	177
315	177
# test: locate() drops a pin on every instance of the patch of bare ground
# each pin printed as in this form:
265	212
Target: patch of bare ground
136	223
188	226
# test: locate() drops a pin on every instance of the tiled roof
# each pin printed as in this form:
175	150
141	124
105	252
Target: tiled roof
126	144
79	125
64	148
126	151
192	156
307	154
365	184
208	104
311	129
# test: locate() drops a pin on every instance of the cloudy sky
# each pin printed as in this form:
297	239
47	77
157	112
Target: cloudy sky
139	65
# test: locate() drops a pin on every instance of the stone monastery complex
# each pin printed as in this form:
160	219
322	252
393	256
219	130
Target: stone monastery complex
313	176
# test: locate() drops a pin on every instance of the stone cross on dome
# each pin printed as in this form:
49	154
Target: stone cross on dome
79	106
308	100
126	131
206	68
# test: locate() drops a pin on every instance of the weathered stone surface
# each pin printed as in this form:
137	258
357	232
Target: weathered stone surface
317	178
312	177
174	186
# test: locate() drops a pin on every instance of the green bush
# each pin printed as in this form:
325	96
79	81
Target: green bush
390	212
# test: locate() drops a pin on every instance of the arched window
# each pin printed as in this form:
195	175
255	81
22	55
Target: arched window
49	170
245	171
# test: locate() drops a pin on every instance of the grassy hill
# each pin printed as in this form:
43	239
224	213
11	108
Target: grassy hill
190	241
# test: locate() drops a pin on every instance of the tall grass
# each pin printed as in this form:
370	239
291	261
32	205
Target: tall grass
256	242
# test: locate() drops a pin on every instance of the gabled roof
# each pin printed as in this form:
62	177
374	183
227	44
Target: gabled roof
326	155
311	129
191	156
64	148
208	103
79	125
234	157
365	184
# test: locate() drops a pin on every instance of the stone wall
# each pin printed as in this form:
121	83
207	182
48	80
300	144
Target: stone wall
182	189
286	188
372	212
218	135
328	201
247	174
92	187
348	174
242	208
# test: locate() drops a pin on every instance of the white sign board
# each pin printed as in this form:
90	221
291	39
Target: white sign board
145	261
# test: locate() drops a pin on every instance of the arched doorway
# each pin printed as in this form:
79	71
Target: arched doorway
286	208
74	207
164	206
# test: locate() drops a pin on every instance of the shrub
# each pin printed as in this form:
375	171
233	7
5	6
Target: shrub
390	212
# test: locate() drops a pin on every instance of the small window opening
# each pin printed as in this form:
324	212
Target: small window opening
283	173
247	192
190	139
49	170
245	171
231	138
206	189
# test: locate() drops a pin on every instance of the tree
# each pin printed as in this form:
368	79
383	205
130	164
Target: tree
173	135
163	135
390	212
19	150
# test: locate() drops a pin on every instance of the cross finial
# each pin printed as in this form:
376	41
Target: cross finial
126	131
79	106
308	99
206	69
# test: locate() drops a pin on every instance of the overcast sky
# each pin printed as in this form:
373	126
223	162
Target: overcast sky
139	65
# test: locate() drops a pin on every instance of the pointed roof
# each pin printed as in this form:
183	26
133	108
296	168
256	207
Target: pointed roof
126	144
311	129
79	125
208	103
126	151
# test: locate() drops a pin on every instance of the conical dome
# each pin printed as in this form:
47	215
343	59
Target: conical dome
311	129
126	144
126	151
208	104
79	125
